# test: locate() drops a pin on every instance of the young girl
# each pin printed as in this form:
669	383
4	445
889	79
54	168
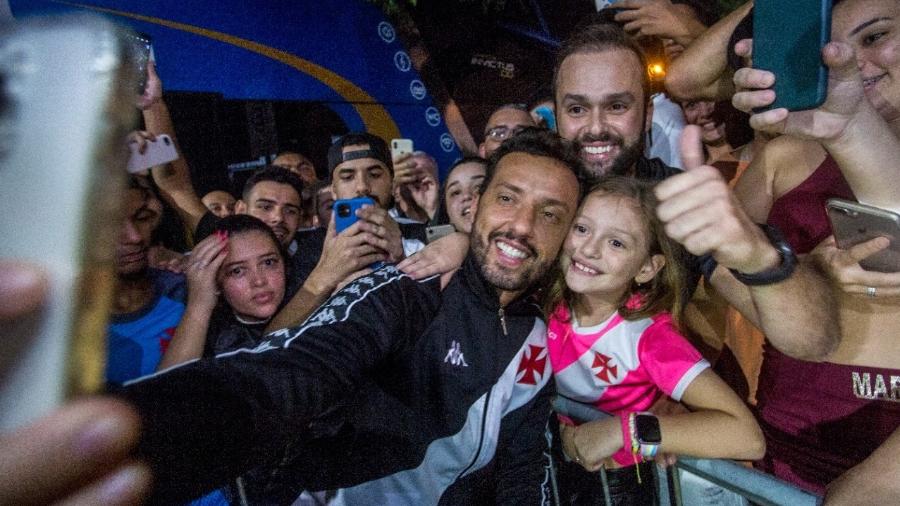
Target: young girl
614	344
236	280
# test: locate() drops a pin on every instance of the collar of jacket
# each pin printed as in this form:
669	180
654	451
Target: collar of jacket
487	294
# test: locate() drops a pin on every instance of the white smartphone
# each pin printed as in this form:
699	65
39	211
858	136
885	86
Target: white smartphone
401	148
68	95
158	152
853	223
435	232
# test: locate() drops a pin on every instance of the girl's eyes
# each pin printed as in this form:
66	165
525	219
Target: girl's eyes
615	243
236	271
579	228
868	40
270	262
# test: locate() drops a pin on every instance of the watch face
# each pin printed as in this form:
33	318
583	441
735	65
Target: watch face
647	429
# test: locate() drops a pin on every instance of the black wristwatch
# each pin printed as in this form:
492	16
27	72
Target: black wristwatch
777	274
782	271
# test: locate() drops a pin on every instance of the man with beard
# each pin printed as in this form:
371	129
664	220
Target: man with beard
445	389
148	303
602	104
360	166
602	94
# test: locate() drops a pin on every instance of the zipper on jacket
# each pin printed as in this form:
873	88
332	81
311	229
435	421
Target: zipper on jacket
487	403
502	321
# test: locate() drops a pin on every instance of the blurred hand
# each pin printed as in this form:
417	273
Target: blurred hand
658	18
152	90
165	259
76	455
23	288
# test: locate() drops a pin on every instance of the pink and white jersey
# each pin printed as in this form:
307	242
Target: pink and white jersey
620	365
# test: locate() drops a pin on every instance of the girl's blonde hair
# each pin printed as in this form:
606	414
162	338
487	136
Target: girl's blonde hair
666	291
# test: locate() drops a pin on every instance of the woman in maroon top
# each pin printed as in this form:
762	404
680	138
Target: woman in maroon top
830	424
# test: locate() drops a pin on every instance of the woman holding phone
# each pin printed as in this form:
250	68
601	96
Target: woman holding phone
830	424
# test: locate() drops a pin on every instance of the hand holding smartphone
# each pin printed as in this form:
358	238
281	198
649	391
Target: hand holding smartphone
345	216
853	223
67	90
156	152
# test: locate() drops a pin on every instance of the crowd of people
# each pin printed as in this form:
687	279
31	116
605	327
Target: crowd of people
614	262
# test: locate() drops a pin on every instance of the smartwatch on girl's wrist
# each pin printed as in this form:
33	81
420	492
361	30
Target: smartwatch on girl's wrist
647	434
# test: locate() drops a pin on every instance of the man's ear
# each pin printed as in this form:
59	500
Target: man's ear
240	207
650	269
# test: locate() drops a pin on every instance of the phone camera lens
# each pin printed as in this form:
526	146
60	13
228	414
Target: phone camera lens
343	210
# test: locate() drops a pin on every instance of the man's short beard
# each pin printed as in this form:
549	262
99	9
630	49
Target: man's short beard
623	165
496	276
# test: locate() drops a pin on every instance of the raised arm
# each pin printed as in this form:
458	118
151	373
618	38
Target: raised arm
173	179
191	333
270	394
701	72
797	314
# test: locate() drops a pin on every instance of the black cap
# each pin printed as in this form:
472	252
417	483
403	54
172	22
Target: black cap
377	149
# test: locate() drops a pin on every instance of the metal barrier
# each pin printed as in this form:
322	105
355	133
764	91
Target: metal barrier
755	486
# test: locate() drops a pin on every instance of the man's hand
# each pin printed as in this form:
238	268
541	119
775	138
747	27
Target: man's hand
152	90
343	254
442	256
702	213
842	266
845	100
658	18
591	443
385	232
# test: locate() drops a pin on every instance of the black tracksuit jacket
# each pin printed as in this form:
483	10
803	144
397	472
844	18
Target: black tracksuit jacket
393	392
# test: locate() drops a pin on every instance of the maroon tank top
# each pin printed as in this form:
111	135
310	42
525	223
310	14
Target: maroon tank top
820	419
800	213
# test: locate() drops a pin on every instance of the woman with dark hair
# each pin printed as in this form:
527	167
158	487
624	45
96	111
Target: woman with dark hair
459	196
236	280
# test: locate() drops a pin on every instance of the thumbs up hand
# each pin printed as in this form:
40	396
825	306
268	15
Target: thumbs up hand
701	212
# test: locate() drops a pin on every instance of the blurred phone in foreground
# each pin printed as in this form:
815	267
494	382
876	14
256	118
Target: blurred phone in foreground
788	38
68	93
853	223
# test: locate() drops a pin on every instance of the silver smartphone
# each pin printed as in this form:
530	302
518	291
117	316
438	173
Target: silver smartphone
853	223
437	231
68	103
